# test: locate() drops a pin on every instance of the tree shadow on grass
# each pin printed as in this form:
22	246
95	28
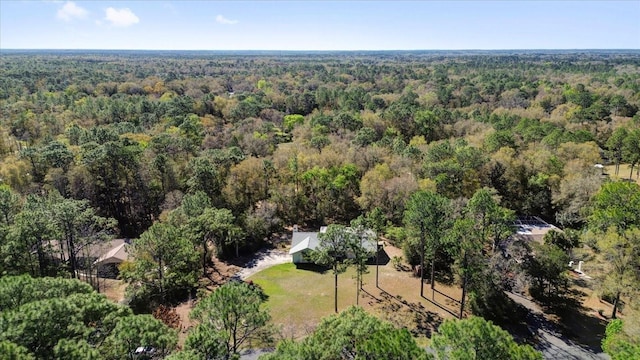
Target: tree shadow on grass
402	313
446	296
440	305
444	276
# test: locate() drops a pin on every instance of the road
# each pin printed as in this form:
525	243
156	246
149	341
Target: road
550	341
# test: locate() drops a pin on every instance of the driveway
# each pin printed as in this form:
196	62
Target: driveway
263	259
253	354
550	341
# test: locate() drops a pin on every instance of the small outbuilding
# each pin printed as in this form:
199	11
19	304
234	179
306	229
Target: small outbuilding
109	255
116	255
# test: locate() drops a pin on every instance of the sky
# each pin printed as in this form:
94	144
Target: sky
319	25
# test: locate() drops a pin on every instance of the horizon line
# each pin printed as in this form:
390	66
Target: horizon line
323	50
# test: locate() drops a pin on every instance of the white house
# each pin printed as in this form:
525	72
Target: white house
303	242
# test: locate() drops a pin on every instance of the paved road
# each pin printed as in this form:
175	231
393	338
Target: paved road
551	342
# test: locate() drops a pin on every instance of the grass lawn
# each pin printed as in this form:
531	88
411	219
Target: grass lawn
113	289
302	297
625	169
299	298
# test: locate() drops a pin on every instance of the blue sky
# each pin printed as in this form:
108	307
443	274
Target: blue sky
319	25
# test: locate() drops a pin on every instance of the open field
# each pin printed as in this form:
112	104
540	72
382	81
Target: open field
625	170
299	298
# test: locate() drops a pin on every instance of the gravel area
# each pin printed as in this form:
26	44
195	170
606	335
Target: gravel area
262	260
253	354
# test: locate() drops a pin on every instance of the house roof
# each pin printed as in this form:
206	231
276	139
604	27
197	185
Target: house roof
114	256
372	243
93	250
533	228
301	241
99	249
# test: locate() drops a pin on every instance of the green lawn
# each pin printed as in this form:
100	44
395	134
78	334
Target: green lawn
300	298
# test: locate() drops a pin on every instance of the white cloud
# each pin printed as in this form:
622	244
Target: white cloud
121	17
223	20
70	11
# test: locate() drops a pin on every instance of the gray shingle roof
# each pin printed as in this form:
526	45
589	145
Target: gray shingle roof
301	241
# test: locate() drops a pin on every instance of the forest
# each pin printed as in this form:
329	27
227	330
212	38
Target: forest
201	154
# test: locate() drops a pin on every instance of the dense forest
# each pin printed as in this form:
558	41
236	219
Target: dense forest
192	151
314	139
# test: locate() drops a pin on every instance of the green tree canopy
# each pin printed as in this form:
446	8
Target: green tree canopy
476	338
290	121
134	331
616	204
547	265
10	204
427	216
54	318
351	334
469	259
215	226
228	318
12	351
494	221
620	255
618	344
165	264
333	250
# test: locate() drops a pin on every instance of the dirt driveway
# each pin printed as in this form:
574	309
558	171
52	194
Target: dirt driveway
262	260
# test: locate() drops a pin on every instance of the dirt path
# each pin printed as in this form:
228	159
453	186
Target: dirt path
550	341
262	260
